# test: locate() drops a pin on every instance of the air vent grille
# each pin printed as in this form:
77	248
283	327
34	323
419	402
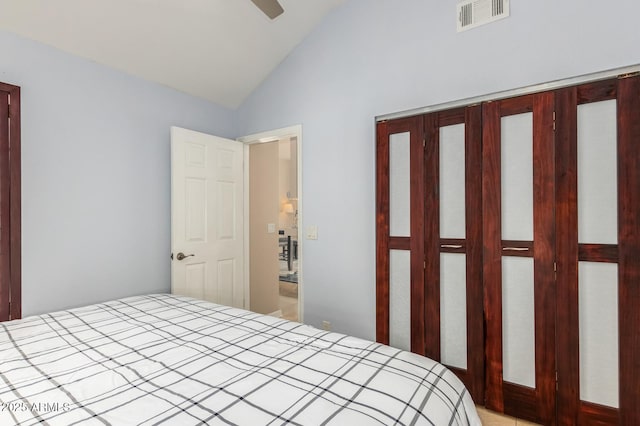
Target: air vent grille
497	7
473	13
466	15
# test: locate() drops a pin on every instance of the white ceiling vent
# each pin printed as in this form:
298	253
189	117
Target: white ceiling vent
473	13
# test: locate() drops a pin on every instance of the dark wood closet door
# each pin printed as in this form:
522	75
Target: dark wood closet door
598	248
519	254
10	274
400	296
543	231
453	244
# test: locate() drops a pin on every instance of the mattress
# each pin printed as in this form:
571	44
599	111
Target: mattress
168	359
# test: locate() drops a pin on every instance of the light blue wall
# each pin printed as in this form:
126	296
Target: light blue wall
370	58
95	141
95	175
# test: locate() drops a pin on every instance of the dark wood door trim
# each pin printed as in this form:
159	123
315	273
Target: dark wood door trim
544	255
10	210
629	247
417	191
492	254
473	204
382	233
432	236
5	222
567	336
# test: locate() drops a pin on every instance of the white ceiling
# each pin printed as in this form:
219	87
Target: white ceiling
220	50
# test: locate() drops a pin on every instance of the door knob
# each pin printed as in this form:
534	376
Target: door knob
182	256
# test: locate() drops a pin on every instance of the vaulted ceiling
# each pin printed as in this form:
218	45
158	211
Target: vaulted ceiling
220	50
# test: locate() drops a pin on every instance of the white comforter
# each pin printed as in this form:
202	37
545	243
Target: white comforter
176	360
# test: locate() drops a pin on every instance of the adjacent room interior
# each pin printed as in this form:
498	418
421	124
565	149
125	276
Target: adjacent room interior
273	228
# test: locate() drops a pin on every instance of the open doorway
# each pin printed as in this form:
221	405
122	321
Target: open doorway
273	220
288	228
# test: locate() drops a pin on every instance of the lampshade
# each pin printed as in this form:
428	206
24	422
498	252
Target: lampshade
287	208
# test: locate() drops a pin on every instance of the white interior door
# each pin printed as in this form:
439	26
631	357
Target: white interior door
207	217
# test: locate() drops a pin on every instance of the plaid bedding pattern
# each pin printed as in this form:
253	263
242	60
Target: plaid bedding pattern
164	359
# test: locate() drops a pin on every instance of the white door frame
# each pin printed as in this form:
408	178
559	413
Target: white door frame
264	137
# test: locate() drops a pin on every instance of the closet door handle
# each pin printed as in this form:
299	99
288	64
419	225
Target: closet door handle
451	246
182	256
515	249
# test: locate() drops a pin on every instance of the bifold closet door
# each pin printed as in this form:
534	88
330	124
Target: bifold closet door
453	244
598	246
400	308
519	246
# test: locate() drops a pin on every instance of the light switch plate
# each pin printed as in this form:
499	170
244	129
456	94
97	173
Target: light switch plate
312	232
271	228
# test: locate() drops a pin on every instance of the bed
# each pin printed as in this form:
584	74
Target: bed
169	359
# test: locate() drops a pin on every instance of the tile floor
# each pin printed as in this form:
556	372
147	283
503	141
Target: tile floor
289	308
288	304
490	418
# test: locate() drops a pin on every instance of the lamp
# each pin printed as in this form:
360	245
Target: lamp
287	208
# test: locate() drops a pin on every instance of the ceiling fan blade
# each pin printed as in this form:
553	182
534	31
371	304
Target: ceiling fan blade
271	8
